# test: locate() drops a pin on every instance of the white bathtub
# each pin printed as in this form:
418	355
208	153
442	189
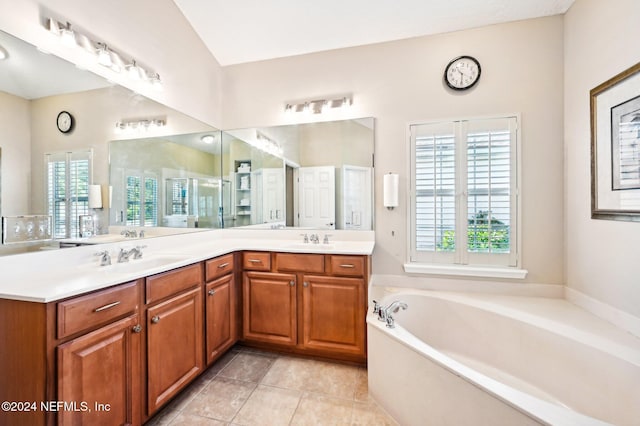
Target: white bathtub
474	359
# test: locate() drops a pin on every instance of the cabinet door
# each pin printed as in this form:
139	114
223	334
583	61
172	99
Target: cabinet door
334	314
270	307
174	346
100	373
220	316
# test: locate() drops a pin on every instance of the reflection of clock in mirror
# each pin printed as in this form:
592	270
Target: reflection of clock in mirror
65	122
462	73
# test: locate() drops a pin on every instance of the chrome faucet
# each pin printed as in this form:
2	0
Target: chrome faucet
105	258
314	238
305	238
129	233
124	255
325	240
385	314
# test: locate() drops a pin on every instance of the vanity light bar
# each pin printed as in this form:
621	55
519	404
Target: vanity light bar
319	106
104	55
139	125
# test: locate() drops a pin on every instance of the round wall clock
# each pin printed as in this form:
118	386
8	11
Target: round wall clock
462	73
65	122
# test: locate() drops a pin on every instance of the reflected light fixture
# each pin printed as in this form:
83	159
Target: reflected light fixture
318	106
139	126
3	53
208	139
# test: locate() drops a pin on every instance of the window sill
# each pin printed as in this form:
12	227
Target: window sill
466	271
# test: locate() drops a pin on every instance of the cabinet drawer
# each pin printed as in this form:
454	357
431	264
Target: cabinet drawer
218	267
291	262
256	261
84	312
352	266
168	283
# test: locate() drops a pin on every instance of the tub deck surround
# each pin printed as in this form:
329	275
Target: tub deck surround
507	360
57	274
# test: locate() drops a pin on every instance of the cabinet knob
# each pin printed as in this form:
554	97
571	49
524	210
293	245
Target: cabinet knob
211	292
155	319
137	328
305	284
292	283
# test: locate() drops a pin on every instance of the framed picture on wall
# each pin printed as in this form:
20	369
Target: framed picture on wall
615	147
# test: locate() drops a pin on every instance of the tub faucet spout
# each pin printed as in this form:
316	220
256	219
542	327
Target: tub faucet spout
395	307
387	313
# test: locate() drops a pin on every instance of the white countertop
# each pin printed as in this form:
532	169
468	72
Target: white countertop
53	275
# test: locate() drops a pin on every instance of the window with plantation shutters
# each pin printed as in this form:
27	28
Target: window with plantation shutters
68	179
464	192
142	201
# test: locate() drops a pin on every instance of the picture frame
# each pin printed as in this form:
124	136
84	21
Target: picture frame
615	147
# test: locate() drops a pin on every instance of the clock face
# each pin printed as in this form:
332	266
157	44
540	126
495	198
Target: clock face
462	73
64	122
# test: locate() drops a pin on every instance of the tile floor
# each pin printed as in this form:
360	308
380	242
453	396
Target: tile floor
250	387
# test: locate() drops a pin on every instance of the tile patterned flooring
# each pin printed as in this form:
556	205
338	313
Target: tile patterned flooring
250	387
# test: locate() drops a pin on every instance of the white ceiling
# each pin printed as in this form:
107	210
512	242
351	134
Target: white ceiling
251	30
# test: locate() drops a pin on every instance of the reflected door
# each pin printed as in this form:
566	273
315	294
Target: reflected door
273	195
317	197
356	198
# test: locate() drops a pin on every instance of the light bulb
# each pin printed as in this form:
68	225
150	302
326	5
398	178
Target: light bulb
133	71
67	36
104	56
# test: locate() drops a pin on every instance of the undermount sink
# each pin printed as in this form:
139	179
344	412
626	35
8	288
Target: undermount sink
148	262
310	246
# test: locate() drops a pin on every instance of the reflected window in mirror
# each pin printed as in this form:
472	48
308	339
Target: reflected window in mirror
142	201
68	179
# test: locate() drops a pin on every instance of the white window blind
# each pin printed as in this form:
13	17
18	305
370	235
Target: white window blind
464	192
68	179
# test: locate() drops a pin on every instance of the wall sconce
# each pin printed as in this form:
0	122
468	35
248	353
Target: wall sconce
390	193
319	106
95	196
139	126
104	56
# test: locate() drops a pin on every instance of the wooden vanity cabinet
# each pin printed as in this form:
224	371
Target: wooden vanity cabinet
270	308
333	314
221	322
311	304
98	372
174	332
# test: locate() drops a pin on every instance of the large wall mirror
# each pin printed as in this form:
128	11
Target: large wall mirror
34	88
186	174
313	175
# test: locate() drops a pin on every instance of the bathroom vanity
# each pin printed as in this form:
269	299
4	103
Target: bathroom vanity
119	351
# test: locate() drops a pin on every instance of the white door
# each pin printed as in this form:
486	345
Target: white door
317	197
273	207
356	198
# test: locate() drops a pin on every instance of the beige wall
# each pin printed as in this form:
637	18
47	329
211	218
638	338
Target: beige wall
401	82
601	40
15	161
